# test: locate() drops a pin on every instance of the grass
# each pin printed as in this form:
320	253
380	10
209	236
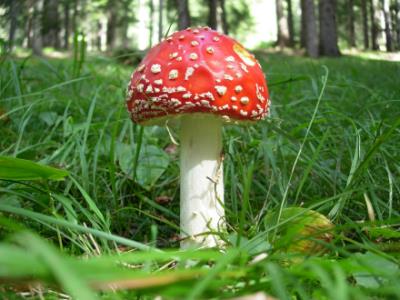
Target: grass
330	145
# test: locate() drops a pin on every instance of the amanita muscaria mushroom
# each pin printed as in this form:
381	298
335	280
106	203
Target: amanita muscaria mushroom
201	79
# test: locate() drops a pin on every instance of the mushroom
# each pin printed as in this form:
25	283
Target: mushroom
199	79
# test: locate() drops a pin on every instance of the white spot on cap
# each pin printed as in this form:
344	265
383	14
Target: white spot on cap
228	77
230	67
173	74
244	67
208	95
193	56
233	98
173	55
179	58
158	81
258	93
234	107
230	59
186	95
244	100
244	113
238	88
129	94
221	90
194	43
139	87
210	50
205	103
196	31
189	72
141	68
156	68
156	90
180	89
149	89
181	37
175	102
215	39
188	105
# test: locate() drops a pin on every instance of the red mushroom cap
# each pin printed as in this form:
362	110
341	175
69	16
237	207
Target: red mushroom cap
198	71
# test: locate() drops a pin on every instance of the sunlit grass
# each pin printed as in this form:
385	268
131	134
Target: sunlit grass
339	157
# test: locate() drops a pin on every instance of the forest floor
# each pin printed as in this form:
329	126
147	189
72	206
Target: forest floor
331	145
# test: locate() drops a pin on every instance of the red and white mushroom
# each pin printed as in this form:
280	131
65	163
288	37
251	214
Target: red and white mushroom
202	79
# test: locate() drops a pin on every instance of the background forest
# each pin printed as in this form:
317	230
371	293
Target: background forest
320	27
89	200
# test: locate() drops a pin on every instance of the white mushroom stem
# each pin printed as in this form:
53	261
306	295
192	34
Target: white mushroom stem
202	187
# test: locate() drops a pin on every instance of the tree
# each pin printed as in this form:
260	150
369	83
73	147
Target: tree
290	22
374	15
36	28
303	24
50	24
282	25
351	33
328	38
225	25
364	13
111	23
13	16
151	18
160	19
388	25
397	18
212	14
124	22
310	28
75	17
183	14
66	24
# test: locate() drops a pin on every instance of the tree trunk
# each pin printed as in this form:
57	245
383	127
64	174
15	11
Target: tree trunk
111	24
212	14
398	23
282	25
225	26
98	37
388	23
29	7
14	11
183	14
160	20
290	22
327	28
151	19
66	25
303	24
50	24
125	24
375	28
75	17
352	33
36	28
310	28
364	12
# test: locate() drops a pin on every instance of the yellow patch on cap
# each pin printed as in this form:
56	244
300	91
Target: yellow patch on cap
247	58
